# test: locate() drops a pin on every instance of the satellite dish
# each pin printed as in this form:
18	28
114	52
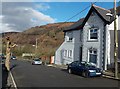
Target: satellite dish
109	14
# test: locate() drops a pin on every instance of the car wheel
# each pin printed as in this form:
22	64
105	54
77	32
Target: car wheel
85	74
69	71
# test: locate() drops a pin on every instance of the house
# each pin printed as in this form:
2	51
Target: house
90	39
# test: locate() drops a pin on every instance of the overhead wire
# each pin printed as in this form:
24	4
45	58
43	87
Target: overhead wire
77	14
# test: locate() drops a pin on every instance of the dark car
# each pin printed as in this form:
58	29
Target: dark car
84	68
13	58
2	58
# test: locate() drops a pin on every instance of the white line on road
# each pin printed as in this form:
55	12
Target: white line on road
13	81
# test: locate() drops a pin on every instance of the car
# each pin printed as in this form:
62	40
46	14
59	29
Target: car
36	61
13	58
2	58
86	69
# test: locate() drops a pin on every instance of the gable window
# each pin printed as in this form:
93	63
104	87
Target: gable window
93	34
92	55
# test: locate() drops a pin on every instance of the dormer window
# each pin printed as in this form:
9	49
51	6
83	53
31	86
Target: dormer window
93	34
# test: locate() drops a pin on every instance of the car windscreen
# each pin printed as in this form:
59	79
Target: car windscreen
36	59
87	64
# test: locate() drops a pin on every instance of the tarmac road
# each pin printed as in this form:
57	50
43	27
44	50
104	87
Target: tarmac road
27	75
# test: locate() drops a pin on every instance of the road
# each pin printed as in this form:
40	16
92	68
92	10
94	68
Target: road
27	75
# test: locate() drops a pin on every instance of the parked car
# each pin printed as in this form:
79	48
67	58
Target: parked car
2	58
13	58
84	68
36	61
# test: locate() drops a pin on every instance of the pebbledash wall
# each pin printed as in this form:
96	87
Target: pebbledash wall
97	22
104	44
73	45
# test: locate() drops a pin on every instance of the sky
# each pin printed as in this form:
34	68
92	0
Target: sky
19	16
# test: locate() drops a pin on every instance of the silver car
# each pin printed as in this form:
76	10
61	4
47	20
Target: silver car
36	61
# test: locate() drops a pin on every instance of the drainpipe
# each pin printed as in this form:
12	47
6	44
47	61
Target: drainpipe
104	47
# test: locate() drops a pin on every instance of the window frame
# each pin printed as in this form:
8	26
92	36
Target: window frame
93	29
92	53
70	52
65	53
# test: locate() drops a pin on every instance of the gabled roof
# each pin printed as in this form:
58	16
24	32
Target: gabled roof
76	25
101	12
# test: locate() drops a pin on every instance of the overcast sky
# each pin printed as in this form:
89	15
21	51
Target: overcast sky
23	14
20	16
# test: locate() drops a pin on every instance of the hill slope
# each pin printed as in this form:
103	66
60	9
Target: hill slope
49	38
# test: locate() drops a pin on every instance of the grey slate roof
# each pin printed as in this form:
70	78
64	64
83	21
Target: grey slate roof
101	13
76	25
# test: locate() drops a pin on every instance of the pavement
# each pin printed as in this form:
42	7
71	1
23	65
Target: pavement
106	74
6	81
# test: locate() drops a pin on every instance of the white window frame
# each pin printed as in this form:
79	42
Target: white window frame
70	53
93	33
93	49
65	53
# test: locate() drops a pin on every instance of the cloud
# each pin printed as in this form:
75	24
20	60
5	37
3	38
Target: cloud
23	15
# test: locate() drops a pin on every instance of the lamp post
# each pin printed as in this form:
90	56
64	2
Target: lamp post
115	42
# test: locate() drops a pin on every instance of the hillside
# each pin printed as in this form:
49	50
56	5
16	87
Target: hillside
49	38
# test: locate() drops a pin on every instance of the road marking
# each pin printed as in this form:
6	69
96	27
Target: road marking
13	81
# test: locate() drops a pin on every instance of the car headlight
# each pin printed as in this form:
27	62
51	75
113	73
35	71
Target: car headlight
92	71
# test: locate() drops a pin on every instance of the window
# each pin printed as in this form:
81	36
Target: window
69	36
70	39
93	34
93	55
70	53
65	53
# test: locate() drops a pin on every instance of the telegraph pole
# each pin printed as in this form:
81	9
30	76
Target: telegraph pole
36	46
115	43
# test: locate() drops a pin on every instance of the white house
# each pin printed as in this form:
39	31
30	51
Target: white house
90	39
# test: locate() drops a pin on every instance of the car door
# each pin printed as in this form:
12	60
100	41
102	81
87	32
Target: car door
76	67
73	67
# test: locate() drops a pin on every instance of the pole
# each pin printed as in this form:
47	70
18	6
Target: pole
115	42
36	43
36	46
